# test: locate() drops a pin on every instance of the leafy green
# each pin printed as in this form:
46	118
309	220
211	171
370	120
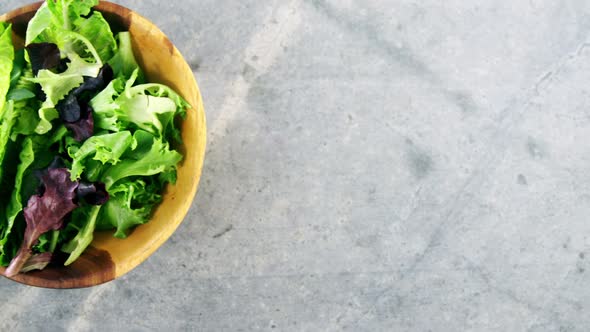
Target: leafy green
82	240
28	118
130	205
6	123
7	114
6	62
22	93
57	86
160	158
104	106
123	62
19	68
15	205
150	107
96	29
105	148
67	12
38	25
45	212
55	18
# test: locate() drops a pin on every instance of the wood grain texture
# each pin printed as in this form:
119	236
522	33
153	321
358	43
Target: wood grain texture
108	257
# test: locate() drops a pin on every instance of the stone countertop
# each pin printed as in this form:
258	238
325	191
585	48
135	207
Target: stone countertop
372	166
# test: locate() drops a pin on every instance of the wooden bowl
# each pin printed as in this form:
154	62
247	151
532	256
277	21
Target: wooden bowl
109	258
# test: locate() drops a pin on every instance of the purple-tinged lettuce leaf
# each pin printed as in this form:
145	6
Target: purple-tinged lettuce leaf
92	193
94	85
45	213
83	128
69	109
43	56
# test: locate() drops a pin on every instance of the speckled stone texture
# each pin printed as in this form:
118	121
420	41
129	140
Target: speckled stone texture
382	165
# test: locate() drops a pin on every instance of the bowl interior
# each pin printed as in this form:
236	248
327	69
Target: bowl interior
108	257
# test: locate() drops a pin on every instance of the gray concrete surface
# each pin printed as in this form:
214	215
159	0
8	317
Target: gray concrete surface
373	166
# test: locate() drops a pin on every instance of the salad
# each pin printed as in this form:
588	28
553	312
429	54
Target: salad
85	141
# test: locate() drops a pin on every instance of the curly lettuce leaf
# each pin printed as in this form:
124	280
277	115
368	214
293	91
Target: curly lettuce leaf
158	159
130	205
105	148
152	107
149	107
56	20
65	13
104	106
58	86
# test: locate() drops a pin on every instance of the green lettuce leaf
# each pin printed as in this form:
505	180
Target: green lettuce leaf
83	239
130	204
67	24
7	114
105	148
15	205
6	123
27	119
22	93
21	88
57	86
55	16
160	158
6	62
150	107
105	106
123	62
97	30
66	12
38	24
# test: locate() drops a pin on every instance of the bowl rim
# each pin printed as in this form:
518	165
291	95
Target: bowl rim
121	267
